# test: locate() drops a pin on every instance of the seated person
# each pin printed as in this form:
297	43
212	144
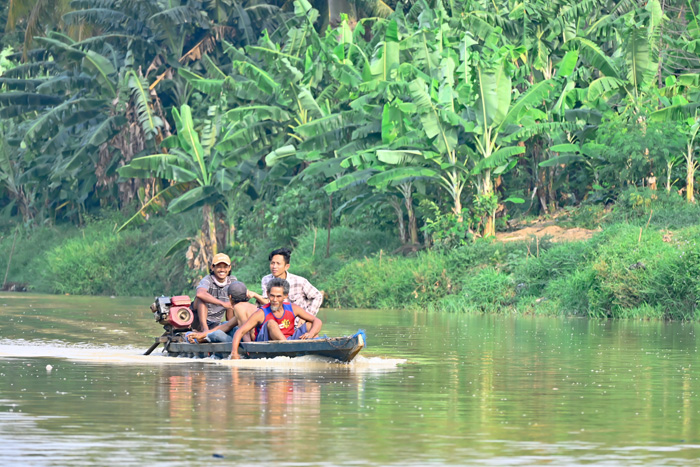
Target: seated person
275	321
242	310
211	301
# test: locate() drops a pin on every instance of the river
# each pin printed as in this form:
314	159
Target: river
438	389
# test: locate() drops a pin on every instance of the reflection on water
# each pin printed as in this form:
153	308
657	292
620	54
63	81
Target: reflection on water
429	389
240	397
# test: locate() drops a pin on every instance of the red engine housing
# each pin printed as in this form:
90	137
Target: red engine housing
180	315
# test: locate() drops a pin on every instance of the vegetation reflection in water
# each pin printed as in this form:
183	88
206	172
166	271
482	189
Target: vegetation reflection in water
475	389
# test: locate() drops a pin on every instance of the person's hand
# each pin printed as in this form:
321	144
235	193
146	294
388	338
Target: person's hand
235	356
227	305
249	294
306	336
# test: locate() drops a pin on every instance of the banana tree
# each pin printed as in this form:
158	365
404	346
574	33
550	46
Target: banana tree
415	77
199	173
15	179
60	107
499	124
681	98
461	91
562	112
631	72
36	16
692	126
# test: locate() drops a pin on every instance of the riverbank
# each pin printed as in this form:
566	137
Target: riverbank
642	261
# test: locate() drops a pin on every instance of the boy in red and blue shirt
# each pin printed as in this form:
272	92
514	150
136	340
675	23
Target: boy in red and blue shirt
275	321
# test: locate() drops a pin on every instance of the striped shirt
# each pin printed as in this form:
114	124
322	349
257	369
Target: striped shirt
215	312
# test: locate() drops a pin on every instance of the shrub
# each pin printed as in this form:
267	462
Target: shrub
667	210
29	255
555	261
623	276
347	244
586	216
488	290
309	256
101	262
394	282
436	279
570	292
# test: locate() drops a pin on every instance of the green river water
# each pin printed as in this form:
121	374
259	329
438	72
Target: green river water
430	389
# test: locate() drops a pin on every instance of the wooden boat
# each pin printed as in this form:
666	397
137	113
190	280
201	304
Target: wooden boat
176	316
343	349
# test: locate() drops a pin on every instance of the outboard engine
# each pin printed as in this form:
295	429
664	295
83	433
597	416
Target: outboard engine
174	313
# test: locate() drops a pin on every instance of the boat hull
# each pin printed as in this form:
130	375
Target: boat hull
343	349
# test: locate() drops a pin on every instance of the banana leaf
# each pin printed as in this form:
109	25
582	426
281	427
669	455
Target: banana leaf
193	198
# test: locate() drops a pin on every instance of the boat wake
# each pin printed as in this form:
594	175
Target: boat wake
19	348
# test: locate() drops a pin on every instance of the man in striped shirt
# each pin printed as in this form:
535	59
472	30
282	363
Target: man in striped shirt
301	292
212	303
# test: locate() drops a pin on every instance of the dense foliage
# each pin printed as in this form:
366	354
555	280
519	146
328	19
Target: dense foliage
275	122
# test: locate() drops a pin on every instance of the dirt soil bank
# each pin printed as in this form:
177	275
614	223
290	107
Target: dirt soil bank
545	228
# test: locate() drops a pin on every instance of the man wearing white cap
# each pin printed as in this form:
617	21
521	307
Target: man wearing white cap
212	298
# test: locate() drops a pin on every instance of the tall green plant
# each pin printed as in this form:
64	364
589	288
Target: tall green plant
200	173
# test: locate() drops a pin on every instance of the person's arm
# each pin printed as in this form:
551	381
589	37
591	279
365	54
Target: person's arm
254	320
263	286
204	295
258	298
309	318
313	294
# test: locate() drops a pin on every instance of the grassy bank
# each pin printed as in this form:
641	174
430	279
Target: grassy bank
644	263
95	260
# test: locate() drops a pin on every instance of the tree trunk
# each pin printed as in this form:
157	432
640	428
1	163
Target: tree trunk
457	196
208	234
690	175
551	195
231	234
330	221
412	225
490	226
457	210
427	242
399	217
407	192
486	191
221	228
23	206
543	191
337	8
